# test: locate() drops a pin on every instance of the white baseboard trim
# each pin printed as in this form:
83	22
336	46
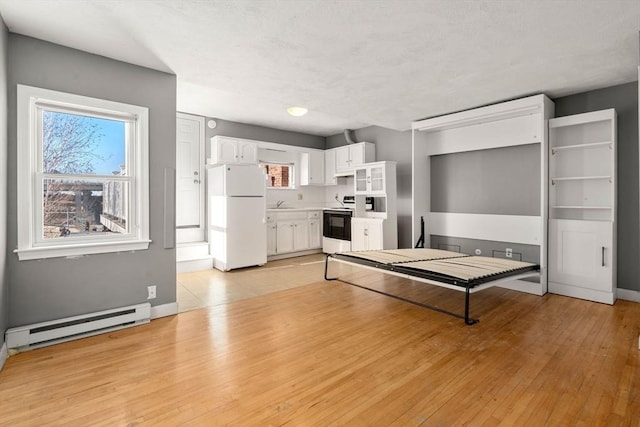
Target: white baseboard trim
293	254
628	294
194	265
4	354
163	310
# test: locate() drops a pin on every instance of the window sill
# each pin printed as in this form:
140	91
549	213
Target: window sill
80	249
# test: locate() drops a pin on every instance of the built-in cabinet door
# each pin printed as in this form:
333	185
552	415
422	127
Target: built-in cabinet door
366	234
312	168
300	235
284	236
581	253
359	241
272	238
376	179
247	152
356	154
330	167
361	179
342	159
315	236
226	150
374	235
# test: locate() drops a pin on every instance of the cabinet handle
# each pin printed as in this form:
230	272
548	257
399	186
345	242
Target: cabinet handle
603	256
196	181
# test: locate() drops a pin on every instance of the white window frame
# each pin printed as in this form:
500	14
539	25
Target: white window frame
31	245
292	173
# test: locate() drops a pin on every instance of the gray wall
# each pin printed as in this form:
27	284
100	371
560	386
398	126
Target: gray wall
46	289
624	99
499	181
4	287
394	146
261	133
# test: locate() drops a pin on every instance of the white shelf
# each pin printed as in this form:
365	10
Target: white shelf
583	207
579	178
581	146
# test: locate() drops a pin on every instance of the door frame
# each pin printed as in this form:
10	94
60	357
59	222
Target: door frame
193	234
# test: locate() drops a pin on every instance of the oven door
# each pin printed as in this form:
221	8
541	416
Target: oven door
337	225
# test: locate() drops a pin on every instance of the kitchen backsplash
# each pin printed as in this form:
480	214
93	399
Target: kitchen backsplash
310	196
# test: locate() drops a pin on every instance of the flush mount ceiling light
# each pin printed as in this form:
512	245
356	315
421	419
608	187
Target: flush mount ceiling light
297	111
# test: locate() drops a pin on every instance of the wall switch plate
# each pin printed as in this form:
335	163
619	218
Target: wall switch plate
509	253
151	291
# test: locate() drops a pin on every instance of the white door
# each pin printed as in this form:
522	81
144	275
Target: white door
356	155
189	179
359	241
580	254
284	236
315	236
342	159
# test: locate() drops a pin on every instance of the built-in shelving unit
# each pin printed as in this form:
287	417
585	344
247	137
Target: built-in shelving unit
582	205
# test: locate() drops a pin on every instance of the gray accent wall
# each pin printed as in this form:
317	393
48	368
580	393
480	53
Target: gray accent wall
499	181
54	288
394	146
4	287
261	133
624	98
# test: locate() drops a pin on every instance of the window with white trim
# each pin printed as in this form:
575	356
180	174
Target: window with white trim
83	185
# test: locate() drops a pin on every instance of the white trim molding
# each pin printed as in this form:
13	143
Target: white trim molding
4	355
164	310
628	294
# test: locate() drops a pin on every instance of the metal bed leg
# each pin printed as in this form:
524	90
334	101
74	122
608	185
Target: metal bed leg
467	319
326	269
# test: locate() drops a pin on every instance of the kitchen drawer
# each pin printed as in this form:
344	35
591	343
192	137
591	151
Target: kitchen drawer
315	215
286	216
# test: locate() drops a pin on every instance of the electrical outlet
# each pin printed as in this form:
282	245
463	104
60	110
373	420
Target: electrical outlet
478	252
509	253
151	290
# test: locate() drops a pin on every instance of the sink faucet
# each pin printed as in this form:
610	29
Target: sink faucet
279	203
339	201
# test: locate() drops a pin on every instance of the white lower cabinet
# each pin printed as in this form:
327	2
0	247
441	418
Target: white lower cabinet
271	235
367	234
581	257
290	232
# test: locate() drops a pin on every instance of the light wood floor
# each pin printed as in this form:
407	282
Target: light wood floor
212	287
331	354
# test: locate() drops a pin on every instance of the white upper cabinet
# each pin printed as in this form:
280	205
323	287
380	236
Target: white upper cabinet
225	150
349	157
312	168
371	178
330	167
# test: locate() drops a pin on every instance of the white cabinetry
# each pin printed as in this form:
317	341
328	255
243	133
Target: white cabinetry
366	234
271	235
376	228
582	203
370	179
350	156
225	150
312	168
292	232
330	167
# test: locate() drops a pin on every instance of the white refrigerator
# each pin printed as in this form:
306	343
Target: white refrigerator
237	216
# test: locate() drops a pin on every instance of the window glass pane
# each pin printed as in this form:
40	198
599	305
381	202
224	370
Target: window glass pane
84	207
73	144
278	176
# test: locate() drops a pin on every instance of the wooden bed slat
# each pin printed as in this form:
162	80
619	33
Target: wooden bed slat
398	256
469	268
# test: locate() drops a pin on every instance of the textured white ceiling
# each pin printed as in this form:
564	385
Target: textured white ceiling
352	63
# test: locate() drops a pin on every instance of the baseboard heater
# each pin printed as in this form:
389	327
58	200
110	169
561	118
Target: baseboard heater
71	328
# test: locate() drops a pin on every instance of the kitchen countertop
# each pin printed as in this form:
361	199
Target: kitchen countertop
288	209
